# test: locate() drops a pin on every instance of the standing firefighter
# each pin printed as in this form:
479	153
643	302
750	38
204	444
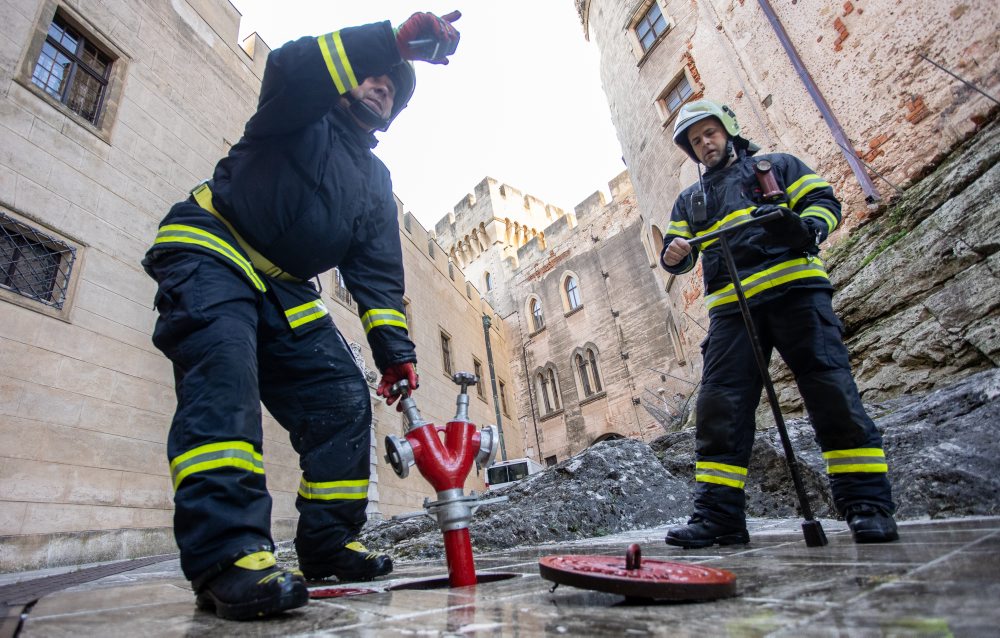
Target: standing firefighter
299	194
789	295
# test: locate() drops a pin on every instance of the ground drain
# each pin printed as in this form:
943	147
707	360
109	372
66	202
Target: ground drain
443	583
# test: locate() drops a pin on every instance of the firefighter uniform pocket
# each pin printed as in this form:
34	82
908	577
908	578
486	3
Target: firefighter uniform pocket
177	300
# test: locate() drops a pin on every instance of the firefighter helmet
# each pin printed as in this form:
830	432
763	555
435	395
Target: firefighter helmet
695	112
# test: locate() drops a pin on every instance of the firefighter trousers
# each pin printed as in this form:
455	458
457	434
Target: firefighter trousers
233	348
807	334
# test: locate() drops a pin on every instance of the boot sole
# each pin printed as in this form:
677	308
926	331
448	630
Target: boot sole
726	539
344	577
253	609
875	537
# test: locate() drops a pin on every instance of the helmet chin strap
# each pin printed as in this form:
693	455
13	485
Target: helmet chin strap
366	114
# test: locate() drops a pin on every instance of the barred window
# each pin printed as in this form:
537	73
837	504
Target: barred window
446	353
478	371
73	70
33	264
341	291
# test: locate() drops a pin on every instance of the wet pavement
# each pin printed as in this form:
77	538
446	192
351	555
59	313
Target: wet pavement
942	578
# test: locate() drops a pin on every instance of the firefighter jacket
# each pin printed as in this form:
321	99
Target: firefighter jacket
301	192
767	267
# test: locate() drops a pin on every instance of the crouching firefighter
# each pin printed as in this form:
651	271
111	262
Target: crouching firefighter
789	295
299	194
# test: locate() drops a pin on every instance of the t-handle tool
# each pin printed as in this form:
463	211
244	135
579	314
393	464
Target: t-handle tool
811	528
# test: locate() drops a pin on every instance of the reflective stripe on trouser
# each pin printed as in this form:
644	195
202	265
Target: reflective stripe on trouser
802	327
218	330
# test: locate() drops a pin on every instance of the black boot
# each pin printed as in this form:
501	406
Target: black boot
870	524
701	532
352	562
254	587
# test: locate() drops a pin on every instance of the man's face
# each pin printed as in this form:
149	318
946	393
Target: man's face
708	141
378	93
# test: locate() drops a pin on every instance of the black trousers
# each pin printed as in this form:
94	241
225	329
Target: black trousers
802	326
231	348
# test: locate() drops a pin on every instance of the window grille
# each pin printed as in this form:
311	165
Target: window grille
34	264
341	290
446	353
677	94
73	70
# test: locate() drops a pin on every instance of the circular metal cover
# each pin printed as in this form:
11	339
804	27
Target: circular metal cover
656	579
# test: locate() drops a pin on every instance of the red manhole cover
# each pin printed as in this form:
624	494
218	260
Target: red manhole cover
657	579
338	592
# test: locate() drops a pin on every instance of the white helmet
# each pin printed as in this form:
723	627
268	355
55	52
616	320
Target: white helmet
695	112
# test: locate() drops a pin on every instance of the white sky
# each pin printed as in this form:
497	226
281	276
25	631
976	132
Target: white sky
521	100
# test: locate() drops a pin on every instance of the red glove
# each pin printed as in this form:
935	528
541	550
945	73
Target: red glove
392	374
424	36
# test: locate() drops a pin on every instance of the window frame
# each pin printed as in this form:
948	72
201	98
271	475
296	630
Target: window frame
477	369
577	292
54	241
447	365
115	80
502	389
666	114
636	18
537	320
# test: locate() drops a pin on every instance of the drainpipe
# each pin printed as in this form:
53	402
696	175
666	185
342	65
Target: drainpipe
867	186
493	382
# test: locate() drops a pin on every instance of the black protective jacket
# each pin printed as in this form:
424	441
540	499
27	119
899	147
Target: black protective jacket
303	188
767	267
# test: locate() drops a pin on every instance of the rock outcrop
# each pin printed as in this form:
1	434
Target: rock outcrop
941	447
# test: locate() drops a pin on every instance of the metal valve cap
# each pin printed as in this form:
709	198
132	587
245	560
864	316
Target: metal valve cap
399	454
489	440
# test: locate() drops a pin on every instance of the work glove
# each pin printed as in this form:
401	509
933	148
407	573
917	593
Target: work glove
392	374
789	229
424	36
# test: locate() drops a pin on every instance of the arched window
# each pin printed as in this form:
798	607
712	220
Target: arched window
537	318
586	362
556	399
581	366
489	281
572	292
594	370
543	391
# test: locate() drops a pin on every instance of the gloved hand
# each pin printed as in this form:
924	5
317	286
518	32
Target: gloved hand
789	229
424	36
392	374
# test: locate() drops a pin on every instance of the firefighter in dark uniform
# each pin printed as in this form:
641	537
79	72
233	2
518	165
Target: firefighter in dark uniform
789	295
299	194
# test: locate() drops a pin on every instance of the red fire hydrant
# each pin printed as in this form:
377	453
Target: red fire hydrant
445	465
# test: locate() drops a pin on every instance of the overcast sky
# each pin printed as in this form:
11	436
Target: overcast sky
521	100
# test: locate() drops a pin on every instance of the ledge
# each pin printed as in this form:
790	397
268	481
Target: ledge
573	311
594	397
550	415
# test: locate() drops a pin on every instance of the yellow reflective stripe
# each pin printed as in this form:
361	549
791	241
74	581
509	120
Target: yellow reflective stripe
238	454
817	211
720	473
733	218
342	53
383	317
183	234
332	47
305	313
866	459
773	277
804	185
680	228
351	490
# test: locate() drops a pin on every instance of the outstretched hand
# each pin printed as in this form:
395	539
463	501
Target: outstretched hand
425	36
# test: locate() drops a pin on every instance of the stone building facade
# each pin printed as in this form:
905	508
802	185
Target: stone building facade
599	351
109	113
886	114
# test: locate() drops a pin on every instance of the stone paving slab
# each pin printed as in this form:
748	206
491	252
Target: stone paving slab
941	579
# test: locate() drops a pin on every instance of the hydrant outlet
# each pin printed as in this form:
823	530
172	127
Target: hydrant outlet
399	454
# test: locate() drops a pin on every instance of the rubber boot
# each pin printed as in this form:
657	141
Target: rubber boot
701	532
870	524
351	563
254	587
